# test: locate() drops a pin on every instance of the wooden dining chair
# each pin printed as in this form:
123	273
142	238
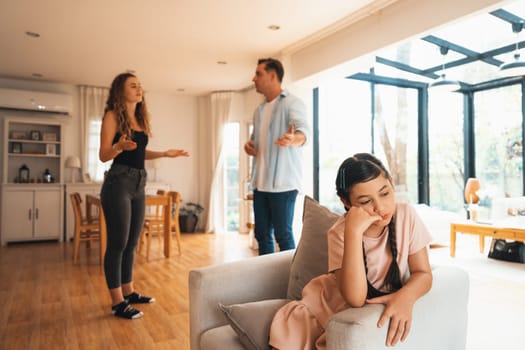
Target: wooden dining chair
155	224
175	226
86	229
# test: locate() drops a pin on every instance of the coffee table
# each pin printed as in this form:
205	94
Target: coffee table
484	230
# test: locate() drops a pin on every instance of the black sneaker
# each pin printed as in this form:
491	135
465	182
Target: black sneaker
136	298
125	310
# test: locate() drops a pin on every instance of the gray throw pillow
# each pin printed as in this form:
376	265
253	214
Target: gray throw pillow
251	321
311	256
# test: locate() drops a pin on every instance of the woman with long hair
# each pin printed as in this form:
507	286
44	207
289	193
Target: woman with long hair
123	138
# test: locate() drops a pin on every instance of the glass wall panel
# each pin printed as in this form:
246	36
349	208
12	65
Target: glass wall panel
344	129
445	135
396	135
498	130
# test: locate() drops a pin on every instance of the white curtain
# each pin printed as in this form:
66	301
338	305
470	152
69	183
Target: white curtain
92	102
221	105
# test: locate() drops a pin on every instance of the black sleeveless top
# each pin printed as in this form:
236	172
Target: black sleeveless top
134	159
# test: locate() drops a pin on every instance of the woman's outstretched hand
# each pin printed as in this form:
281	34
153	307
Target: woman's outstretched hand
172	153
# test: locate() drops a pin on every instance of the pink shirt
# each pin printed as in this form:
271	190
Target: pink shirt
411	236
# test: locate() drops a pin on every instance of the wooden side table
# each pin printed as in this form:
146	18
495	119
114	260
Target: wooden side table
483	230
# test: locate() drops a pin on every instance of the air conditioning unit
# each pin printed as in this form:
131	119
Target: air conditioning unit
36	101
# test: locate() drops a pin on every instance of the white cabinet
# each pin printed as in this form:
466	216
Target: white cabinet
31	212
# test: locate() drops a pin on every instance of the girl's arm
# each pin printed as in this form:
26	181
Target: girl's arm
171	153
109	128
399	305
351	278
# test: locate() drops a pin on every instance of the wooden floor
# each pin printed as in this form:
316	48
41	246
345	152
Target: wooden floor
46	302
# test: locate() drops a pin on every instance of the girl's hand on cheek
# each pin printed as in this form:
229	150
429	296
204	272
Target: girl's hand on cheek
358	220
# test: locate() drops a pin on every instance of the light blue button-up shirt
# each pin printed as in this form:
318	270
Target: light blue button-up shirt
284	164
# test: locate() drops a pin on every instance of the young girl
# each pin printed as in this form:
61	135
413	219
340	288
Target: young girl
377	255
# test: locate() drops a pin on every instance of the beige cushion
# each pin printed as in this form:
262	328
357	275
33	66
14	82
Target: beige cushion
251	321
311	257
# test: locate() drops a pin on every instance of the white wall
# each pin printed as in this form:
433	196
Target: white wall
174	125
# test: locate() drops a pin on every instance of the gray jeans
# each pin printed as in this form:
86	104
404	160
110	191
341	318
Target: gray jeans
123	201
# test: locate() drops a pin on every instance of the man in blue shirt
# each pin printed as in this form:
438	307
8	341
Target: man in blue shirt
280	129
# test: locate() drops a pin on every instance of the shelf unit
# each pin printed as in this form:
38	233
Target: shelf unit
33	209
35	143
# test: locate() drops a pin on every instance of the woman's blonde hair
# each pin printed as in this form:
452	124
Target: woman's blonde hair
117	104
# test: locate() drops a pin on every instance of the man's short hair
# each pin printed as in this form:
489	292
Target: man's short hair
273	64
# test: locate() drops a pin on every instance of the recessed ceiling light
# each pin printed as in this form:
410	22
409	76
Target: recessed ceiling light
274	27
222	62
32	34
132	71
37	75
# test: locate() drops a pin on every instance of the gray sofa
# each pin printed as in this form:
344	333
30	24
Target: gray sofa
439	317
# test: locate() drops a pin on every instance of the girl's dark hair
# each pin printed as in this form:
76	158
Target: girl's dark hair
363	167
117	103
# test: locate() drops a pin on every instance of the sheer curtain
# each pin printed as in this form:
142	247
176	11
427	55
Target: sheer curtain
221	105
92	102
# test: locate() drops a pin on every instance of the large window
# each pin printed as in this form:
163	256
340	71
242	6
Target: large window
445	139
498	135
344	129
396	135
231	176
96	168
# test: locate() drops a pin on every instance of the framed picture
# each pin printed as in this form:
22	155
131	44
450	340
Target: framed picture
35	135
49	136
51	149
18	135
16	147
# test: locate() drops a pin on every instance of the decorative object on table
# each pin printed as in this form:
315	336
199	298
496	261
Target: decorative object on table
51	149
18	135
49	136
472	198
73	163
189	216
35	135
16	147
23	174
513	251
47	177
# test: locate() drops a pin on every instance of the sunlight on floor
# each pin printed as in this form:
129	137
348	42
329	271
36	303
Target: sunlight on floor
496	300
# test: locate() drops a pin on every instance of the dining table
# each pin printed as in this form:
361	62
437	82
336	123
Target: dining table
94	209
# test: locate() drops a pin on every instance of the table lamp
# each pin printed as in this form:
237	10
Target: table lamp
73	163
471	197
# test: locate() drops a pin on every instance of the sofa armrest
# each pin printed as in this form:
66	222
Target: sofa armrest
439	319
252	279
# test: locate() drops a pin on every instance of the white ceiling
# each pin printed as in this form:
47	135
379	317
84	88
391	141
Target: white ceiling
170	44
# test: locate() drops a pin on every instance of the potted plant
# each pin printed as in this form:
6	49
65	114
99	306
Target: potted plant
189	216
